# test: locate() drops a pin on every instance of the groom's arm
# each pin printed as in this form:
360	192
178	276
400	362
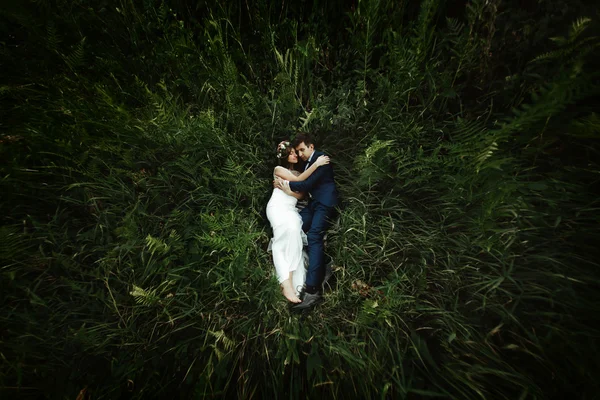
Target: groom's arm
307	185
280	183
286	188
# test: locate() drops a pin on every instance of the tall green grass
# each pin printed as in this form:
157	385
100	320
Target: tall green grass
137	143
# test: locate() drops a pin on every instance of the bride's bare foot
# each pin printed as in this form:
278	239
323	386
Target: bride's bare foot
288	291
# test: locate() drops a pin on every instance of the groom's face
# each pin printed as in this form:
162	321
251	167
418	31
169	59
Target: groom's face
305	151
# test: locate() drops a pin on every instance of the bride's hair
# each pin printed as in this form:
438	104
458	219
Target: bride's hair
283	151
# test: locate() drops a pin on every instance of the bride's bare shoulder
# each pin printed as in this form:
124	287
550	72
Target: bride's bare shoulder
282	169
279	171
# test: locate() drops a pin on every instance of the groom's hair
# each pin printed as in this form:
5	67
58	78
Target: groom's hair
302	138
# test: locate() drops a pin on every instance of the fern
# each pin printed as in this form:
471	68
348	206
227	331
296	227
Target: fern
151	297
156	245
144	297
472	145
577	28
365	22
52	40
77	57
571	47
222	339
463	46
288	70
372	163
425	28
464	254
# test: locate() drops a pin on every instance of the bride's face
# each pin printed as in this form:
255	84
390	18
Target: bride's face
292	157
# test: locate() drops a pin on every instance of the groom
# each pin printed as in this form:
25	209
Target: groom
316	217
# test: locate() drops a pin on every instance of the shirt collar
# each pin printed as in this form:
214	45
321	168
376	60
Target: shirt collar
311	156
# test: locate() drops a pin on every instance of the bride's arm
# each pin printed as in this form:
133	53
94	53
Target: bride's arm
288	176
286	188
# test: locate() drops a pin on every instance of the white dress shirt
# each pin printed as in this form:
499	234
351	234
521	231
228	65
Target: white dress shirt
308	161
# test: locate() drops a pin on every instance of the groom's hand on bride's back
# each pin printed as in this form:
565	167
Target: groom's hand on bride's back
322	160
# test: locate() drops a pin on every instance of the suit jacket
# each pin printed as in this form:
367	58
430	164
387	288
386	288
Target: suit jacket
320	184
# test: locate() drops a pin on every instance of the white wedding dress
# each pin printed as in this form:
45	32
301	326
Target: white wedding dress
288	238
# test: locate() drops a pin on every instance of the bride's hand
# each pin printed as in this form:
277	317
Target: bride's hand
322	160
285	186
277	183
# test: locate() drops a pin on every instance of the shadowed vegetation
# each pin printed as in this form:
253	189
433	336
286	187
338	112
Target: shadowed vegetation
137	141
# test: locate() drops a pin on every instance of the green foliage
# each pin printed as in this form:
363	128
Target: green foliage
136	148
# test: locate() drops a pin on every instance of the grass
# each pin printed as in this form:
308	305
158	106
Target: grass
136	153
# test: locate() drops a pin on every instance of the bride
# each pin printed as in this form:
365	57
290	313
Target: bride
287	223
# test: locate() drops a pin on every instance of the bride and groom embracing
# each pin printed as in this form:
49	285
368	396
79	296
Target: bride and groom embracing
291	225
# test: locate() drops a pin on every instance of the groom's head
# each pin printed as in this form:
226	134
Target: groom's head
304	146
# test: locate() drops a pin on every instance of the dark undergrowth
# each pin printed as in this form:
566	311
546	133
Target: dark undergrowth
137	141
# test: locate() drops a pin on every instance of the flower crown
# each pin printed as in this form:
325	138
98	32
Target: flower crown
282	149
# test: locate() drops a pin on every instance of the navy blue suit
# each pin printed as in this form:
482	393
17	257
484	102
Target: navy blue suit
316	217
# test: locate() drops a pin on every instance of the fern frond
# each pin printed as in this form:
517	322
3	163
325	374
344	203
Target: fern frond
144	297
425	27
163	13
52	40
372	163
571	47
485	154
221	338
308	116
559	40
472	145
155	245
454	25
76	58
578	28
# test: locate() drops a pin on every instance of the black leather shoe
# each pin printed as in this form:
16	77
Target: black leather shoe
309	300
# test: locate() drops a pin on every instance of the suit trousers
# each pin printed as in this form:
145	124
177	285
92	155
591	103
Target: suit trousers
316	219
